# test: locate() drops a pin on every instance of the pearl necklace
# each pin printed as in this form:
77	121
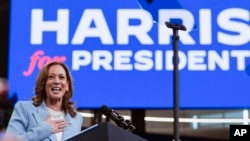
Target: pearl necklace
55	115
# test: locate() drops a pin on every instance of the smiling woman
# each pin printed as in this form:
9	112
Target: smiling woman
50	115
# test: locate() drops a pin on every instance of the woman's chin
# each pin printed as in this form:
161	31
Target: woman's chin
56	98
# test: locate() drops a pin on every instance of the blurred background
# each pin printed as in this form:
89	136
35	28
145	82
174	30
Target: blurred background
212	99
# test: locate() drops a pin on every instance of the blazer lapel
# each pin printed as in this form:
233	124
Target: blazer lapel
41	114
67	132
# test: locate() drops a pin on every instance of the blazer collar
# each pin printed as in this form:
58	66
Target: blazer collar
67	132
42	110
42	113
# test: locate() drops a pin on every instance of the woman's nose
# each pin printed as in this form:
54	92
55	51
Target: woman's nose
56	80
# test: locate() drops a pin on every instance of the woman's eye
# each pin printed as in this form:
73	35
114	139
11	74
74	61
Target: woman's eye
62	77
51	77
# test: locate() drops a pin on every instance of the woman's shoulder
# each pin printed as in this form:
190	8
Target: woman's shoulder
24	103
79	116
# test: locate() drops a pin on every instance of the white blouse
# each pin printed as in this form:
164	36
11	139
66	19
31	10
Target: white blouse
56	115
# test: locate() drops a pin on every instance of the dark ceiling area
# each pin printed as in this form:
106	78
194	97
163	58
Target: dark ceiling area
4	34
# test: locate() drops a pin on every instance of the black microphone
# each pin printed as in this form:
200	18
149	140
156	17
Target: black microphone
117	118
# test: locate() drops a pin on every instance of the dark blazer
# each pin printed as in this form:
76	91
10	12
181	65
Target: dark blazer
27	123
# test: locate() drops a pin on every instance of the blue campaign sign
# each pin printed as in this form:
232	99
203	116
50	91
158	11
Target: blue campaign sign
168	11
119	57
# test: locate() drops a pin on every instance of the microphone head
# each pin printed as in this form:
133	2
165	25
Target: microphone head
119	120
106	110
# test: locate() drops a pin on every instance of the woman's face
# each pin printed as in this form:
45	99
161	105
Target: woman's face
57	83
